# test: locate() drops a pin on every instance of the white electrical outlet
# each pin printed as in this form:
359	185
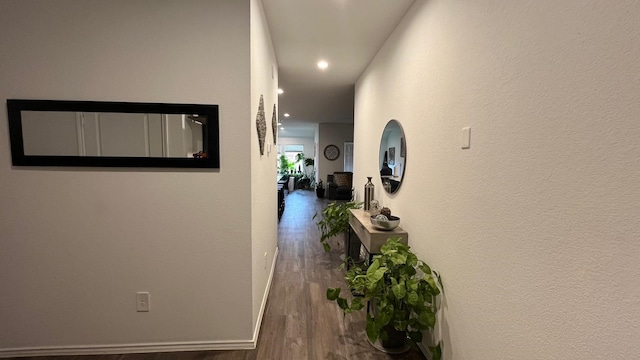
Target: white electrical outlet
143	303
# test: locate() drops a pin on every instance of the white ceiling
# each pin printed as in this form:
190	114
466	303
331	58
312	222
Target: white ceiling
345	33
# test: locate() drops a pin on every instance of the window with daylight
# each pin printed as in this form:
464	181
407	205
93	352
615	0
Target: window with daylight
290	151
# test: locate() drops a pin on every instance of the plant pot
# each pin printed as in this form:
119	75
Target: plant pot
320	193
395	339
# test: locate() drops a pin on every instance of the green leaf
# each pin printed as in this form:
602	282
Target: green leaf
375	276
333	293
433	285
372	330
342	302
401	325
412	260
327	247
427	318
436	351
399	291
412	298
425	268
356	304
373	267
415	336
385	315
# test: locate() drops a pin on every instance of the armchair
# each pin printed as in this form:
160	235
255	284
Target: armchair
339	186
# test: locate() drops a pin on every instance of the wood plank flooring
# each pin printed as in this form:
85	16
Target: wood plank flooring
299	323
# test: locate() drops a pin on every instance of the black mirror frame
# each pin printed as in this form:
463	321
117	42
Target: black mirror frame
18	157
402	152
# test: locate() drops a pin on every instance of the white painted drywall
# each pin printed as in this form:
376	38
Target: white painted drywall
308	143
264	209
77	244
332	134
535	227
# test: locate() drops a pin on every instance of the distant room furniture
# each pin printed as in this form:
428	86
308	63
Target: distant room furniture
339	186
280	200
292	184
284	181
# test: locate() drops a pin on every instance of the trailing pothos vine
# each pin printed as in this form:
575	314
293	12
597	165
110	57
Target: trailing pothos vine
335	220
403	288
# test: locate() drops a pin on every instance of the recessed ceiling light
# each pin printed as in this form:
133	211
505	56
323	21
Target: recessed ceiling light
280	91
279	123
286	115
323	64
281	128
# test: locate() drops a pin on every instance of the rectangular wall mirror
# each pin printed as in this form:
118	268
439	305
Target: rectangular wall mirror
113	134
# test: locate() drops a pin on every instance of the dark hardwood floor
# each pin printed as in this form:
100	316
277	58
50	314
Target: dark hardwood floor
299	323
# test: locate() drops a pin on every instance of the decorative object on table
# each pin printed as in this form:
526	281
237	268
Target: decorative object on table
369	189
403	299
261	125
320	190
274	124
335	220
385	211
382	222
374	208
331	152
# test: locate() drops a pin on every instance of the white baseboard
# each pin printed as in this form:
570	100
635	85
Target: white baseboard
424	350
150	347
256	331
126	349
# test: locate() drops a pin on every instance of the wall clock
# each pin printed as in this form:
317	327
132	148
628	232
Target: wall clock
331	152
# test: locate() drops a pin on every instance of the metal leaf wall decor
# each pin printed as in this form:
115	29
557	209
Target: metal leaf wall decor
274	124
261	125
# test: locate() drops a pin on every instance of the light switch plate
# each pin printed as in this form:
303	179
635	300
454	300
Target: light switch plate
143	302
466	137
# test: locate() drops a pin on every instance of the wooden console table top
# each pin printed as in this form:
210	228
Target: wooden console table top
370	237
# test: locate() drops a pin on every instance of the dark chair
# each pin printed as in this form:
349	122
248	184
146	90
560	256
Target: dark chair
284	181
339	186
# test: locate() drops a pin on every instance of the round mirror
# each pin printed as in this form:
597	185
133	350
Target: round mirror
393	156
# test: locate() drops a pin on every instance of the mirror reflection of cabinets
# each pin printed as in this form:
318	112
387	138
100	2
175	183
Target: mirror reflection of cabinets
89	133
393	156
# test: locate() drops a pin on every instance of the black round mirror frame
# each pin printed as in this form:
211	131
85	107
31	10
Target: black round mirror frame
393	156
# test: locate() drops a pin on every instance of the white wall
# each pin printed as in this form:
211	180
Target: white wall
335	134
308	143
264	214
535	227
77	244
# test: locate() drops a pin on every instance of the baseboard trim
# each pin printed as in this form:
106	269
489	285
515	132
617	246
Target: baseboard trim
256	331
425	351
150	347
127	349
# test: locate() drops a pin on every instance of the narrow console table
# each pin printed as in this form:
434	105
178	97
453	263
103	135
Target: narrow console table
362	232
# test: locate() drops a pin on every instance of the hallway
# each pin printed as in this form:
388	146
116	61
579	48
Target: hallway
299	323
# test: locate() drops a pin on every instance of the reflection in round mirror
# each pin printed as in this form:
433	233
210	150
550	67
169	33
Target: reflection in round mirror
393	156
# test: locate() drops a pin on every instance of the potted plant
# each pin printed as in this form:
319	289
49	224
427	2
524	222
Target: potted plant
320	190
335	220
402	290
